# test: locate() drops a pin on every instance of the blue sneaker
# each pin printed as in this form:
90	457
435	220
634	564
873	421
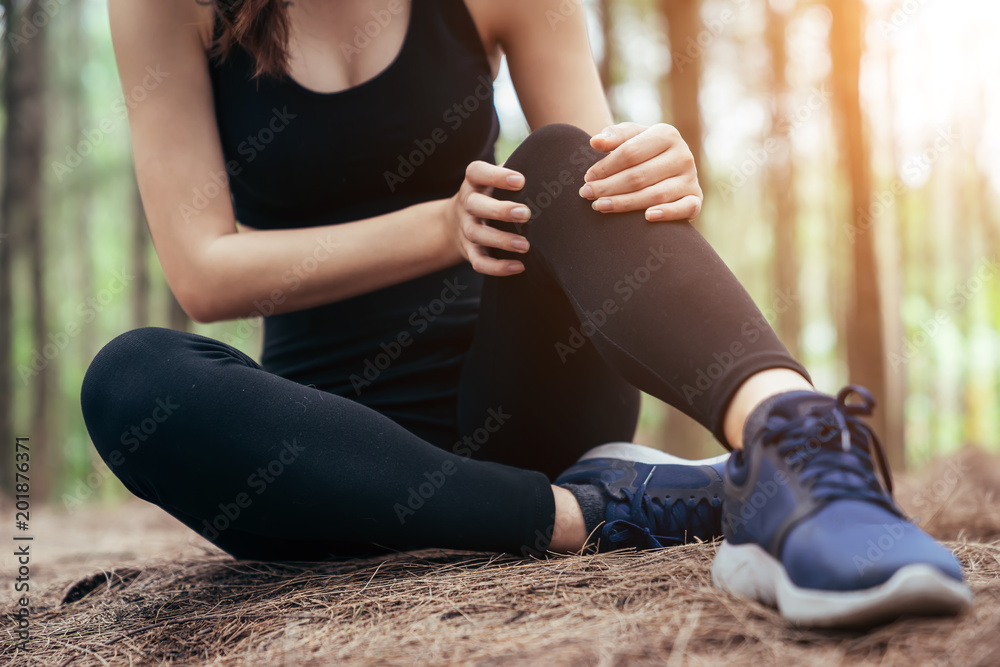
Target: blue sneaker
653	499
810	528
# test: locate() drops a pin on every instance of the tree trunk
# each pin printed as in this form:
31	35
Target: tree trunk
22	208
781	186
83	183
6	305
679	434
866	349
894	281
682	86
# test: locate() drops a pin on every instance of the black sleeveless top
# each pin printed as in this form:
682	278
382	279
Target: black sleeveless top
298	158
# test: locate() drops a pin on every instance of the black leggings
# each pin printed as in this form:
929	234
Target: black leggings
267	468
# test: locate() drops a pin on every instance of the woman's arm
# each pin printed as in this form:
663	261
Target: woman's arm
551	64
553	70
214	271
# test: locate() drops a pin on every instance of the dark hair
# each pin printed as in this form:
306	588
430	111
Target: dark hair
259	26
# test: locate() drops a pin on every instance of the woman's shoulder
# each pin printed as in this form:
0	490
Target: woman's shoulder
500	18
152	19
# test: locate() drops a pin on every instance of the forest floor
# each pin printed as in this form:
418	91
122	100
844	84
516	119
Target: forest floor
131	586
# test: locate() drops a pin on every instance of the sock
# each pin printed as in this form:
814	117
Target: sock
592	504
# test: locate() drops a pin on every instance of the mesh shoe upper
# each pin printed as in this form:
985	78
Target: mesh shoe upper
651	506
805	488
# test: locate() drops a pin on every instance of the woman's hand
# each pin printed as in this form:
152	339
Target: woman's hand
648	168
473	204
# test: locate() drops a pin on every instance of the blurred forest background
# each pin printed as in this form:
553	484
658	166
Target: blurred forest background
849	151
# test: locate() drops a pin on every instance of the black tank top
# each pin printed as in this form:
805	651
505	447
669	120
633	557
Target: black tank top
298	158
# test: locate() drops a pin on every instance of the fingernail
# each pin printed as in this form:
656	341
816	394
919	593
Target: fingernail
521	213
519	244
515	180
589	176
587	192
515	267
603	205
654	214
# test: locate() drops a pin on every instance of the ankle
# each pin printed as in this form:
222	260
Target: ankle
569	533
754	391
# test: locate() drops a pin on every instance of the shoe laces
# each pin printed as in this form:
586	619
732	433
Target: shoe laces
835	451
656	522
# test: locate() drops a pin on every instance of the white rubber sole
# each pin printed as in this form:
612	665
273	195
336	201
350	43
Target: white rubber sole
643	454
915	590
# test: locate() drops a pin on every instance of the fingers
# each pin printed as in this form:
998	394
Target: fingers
483	206
642	175
485	175
483	235
637	149
478	237
675	198
482	263
651	169
686	208
613	136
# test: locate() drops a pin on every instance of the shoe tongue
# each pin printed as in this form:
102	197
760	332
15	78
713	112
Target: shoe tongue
788	406
793	405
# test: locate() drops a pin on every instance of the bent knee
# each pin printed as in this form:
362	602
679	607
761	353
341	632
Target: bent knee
120	358
554	151
119	382
558	132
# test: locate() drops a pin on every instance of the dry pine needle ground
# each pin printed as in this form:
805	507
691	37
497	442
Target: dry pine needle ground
437	607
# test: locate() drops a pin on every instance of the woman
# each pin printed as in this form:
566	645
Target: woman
444	335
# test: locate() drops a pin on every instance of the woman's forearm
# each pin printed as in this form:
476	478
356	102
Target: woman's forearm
277	271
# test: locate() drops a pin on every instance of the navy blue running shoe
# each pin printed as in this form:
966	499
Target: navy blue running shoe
653	499
811	528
